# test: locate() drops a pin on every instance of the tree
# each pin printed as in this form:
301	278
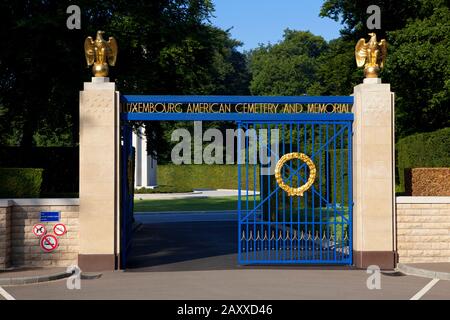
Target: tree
353	14
337	69
289	67
418	64
419	71
165	47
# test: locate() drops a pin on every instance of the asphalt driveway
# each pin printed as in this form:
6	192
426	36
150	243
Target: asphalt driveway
197	260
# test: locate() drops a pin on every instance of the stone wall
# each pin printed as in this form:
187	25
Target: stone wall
5	234
423	229
23	248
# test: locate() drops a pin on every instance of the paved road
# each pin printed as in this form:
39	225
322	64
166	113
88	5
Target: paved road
235	284
181	246
153	218
196	260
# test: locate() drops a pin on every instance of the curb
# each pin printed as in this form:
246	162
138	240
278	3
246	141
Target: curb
413	271
91	276
34	279
46	278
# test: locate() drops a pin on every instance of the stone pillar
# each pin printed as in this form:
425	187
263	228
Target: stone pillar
374	176
5	234
145	164
140	144
99	175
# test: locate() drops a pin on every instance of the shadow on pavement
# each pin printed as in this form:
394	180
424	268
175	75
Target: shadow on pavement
184	246
193	246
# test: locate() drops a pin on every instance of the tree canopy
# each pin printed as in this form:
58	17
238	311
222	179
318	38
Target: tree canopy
418	65
170	47
165	47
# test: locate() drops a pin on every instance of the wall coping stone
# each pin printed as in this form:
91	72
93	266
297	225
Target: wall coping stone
5	203
423	200
39	202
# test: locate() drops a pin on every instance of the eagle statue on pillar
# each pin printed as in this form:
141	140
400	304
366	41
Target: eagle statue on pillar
371	55
100	53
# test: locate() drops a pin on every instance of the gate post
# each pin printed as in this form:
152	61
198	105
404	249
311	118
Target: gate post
374	176
99	165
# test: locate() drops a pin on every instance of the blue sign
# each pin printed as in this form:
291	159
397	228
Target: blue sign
50	216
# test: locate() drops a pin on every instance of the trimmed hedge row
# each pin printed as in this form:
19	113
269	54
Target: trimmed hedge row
20	182
60	164
423	150
202	176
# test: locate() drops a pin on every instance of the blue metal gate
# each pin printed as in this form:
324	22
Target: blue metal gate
309	225
127	162
276	227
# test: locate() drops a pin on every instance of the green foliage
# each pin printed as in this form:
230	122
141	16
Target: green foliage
202	176
61	167
418	66
419	71
337	71
20	182
289	67
165	47
424	150
304	64
352	14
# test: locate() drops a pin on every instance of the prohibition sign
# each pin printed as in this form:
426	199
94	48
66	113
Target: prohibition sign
60	229
39	230
49	243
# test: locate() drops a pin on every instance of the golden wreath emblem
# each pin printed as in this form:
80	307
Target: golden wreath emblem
292	192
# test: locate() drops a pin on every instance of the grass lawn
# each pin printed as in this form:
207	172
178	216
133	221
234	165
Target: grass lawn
187	204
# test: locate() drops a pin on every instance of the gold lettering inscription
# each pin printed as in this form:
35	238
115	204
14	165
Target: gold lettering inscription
257	108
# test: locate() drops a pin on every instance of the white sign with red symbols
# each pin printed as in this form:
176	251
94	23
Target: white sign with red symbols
49	243
60	229
39	230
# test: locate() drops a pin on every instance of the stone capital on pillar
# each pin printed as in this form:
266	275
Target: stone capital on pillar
99	174
374	176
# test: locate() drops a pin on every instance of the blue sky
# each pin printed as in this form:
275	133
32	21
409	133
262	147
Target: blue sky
263	21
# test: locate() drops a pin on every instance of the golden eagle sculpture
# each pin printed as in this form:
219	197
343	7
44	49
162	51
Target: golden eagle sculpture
100	53
371	55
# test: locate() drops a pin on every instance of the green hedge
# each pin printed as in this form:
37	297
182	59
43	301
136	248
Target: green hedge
202	176
20	182
60	164
423	150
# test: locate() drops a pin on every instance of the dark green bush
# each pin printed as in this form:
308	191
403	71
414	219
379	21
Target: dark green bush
20	182
423	150
60	164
